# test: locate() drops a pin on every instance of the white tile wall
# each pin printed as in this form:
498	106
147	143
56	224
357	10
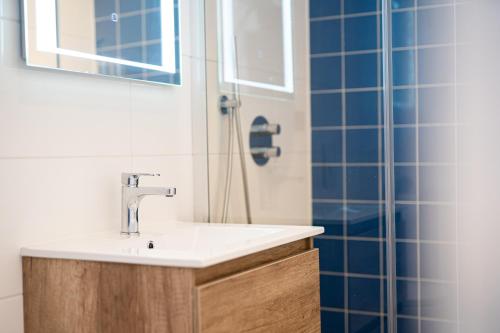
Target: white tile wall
65	138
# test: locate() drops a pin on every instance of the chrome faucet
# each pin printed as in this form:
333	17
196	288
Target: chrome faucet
132	195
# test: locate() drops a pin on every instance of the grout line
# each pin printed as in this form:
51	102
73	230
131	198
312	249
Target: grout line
343	16
415	47
381	171
383	276
344	53
354	127
381	239
380	202
417	177
456	137
8	297
344	170
361	312
378	12
68	157
375	314
373	89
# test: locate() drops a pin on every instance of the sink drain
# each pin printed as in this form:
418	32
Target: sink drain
151	245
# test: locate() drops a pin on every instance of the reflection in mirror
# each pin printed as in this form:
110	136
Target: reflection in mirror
256	46
134	39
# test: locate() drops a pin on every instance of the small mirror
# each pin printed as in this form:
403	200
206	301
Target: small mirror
133	39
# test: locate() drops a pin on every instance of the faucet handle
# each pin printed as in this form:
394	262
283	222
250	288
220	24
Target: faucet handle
132	179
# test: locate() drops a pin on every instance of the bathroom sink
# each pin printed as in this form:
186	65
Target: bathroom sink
179	244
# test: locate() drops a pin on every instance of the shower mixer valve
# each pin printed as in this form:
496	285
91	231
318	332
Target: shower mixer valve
261	140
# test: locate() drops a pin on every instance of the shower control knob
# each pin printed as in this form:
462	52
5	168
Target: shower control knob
266	129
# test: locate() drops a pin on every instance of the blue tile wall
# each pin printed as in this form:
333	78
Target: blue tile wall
319	8
361	70
405	183
326	73
326	110
330	216
406	221
331	254
408	325
362	145
398	4
360	33
360	6
348	157
403	29
325	36
364	294
365	324
332	291
362	183
347	193
332	321
327	182
364	257
407	297
363	220
362	108
403	67
404	106
327	146
406	257
405	146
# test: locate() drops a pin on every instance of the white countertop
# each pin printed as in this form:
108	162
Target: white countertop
179	244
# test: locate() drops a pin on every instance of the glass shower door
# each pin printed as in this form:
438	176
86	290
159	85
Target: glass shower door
422	100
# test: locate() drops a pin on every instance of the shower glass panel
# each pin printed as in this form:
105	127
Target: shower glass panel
364	94
425	168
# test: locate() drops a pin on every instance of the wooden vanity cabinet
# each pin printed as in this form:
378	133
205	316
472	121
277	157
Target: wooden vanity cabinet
276	290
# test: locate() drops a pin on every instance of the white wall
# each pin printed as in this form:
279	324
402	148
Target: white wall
64	140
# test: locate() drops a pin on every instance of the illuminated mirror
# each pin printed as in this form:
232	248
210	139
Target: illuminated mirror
256	44
133	39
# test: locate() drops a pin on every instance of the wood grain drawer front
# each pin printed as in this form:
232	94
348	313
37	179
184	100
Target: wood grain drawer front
279	297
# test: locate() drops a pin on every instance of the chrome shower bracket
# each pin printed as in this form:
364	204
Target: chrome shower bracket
226	104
